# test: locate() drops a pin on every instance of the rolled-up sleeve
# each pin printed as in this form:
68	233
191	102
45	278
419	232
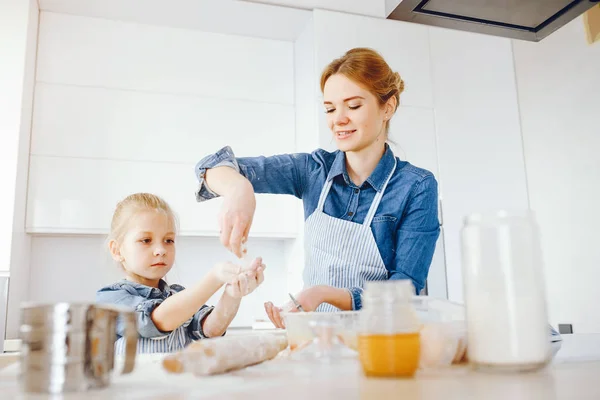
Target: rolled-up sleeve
222	158
278	174
356	293
195	327
142	306
417	235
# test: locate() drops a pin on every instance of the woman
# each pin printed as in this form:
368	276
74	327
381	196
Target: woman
368	215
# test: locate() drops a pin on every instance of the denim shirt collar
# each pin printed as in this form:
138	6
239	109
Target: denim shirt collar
378	176
146	291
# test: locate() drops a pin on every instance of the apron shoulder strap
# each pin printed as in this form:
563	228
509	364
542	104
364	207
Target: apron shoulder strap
378	196
324	193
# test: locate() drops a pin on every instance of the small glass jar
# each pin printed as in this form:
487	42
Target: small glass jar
504	287
388	337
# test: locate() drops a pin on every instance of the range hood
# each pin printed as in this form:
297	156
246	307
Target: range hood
530	20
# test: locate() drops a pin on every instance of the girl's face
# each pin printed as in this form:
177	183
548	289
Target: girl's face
147	252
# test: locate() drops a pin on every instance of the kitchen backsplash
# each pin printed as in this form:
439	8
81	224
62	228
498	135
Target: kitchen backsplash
70	268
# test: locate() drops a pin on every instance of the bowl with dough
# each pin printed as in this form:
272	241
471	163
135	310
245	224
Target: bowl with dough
301	327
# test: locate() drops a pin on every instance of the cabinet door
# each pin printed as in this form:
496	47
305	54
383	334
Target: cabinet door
75	195
479	139
122	108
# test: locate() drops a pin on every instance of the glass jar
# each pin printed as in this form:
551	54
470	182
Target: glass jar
388	338
504	287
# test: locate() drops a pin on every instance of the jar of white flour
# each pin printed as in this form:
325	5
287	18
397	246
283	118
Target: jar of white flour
504	291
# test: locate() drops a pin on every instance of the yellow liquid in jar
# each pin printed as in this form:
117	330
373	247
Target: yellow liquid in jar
389	355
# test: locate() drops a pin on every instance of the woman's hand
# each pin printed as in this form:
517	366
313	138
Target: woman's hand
235	217
309	299
237	211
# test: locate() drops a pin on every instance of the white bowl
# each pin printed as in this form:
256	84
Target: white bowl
300	332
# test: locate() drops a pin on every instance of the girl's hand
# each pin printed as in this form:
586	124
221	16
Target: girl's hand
248	280
226	272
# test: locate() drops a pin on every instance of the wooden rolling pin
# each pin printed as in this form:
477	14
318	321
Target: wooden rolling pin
223	354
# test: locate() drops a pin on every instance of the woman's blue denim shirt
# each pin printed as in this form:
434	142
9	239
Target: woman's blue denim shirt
405	226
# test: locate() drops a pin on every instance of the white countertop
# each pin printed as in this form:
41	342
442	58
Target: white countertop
574	374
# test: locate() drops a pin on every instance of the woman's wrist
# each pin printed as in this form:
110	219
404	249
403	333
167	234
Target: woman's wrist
225	181
337	297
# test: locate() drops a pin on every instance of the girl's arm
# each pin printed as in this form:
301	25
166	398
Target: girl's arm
178	308
217	322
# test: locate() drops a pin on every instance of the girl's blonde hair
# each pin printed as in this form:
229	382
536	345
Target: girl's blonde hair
367	68
135	203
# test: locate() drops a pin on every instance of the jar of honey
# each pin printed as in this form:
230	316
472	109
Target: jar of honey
388	337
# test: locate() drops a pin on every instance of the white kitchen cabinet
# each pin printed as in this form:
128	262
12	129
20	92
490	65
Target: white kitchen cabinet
117	55
558	99
479	138
78	196
413	138
99	123
123	107
229	17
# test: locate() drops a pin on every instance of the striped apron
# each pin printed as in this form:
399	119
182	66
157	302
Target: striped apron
341	253
174	341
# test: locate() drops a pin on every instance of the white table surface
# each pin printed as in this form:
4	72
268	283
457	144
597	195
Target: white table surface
574	374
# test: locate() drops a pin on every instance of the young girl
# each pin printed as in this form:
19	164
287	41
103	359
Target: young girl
142	241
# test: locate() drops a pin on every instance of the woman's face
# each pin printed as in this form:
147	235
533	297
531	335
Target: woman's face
354	115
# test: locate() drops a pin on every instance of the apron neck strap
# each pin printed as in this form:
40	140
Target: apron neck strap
377	199
374	205
324	193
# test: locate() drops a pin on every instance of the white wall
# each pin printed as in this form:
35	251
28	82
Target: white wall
18	30
559	96
307	138
18	40
478	133
74	268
